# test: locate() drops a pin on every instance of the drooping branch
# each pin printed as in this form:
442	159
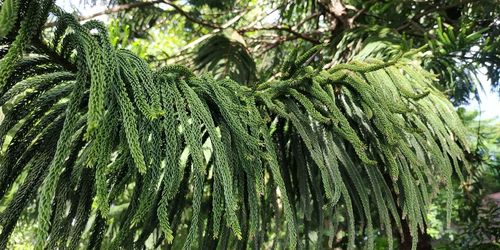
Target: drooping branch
40	45
117	126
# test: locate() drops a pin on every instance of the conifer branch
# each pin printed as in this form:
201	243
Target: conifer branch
105	131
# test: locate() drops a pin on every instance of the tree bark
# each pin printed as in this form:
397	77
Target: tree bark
424	239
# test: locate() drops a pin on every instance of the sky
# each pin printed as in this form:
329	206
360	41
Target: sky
80	6
489	104
490	101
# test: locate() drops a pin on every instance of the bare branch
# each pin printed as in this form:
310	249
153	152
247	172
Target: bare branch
189	17
129	6
281	28
338	11
114	9
430	9
298	25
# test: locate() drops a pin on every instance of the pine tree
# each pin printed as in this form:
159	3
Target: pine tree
113	153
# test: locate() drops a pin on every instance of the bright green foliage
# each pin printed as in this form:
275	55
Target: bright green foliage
123	152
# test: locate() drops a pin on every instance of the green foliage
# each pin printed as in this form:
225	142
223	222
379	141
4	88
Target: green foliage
463	36
474	209
8	16
226	57
218	4
121	155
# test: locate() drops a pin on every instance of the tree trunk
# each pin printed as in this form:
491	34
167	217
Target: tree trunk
424	239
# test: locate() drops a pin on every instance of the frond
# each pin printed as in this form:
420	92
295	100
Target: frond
8	16
225	55
115	152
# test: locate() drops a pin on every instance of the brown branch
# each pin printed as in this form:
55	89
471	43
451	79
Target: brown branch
281	28
369	4
430	10
338	11
118	8
189	17
206	36
129	6
272	45
114	9
307	19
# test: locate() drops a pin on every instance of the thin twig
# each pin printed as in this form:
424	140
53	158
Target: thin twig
114	9
54	55
281	28
189	17
430	10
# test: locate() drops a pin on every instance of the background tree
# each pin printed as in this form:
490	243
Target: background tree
462	35
332	132
475	208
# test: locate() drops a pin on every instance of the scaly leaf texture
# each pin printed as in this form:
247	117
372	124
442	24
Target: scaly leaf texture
115	152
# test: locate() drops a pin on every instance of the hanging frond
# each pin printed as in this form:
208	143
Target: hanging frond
226	56
116	152
8	16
